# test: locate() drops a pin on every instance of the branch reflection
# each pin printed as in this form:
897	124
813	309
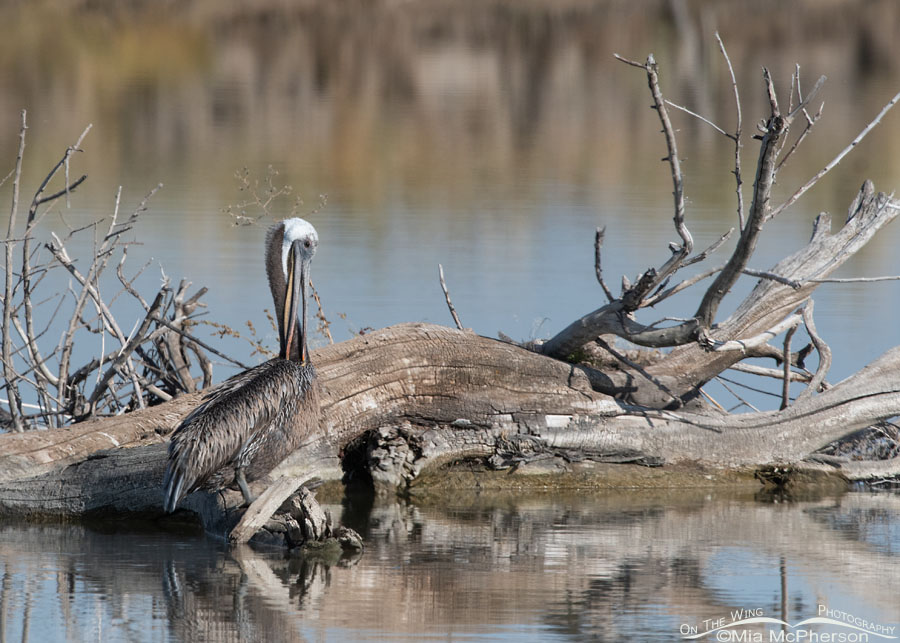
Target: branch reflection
609	566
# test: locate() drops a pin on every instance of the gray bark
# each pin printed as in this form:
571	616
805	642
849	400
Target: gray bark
462	396
690	365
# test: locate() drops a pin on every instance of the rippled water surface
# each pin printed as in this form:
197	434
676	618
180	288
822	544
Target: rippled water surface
611	567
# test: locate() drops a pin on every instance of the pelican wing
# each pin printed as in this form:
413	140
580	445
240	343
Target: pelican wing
214	434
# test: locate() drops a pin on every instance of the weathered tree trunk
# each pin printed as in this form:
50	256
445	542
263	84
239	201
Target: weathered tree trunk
453	395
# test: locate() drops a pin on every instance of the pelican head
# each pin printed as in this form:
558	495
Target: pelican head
298	243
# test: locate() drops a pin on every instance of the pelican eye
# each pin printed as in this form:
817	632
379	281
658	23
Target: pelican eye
307	243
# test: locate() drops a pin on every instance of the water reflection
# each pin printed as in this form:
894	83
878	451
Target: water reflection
619	566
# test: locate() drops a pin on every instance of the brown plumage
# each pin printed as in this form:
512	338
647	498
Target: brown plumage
250	423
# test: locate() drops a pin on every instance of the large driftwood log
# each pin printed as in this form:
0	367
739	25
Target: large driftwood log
461	395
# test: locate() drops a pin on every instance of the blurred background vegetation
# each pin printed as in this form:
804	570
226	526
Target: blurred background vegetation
357	96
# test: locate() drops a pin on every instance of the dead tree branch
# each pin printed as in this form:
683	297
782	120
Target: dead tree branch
701	331
138	372
837	159
679	253
762	371
736	137
776	128
786	382
598	267
15	402
810	120
447	298
818	380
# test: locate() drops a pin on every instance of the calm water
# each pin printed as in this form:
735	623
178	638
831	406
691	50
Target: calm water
491	137
616	567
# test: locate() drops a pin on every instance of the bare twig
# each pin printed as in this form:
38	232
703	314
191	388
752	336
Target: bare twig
837	159
687	283
822	348
736	137
762	274
851	280
755	389
715	245
712	400
172	345
746	345
3	181
762	371
141	207
598	269
795	88
447	298
199	342
12	389
698	117
810	121
128	284
633	63
158	392
786	383
204	362
70	187
74	148
660	295
43	376
742	401
777	354
801	106
675	262
63	162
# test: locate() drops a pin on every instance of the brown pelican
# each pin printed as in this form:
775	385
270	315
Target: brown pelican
245	427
